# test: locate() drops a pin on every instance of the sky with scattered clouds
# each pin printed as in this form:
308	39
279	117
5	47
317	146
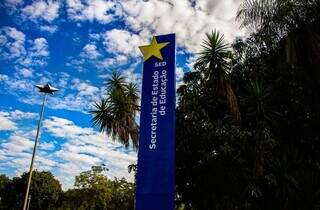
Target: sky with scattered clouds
74	45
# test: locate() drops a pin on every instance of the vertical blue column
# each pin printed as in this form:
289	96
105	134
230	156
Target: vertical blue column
156	156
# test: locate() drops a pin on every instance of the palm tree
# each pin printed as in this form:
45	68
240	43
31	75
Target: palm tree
115	114
295	22
214	64
260	114
295	26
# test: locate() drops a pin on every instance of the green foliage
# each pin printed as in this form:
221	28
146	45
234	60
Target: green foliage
45	191
270	159
92	178
4	182
94	191
122	196
115	114
213	67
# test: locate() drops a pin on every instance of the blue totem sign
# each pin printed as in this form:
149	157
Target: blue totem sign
156	156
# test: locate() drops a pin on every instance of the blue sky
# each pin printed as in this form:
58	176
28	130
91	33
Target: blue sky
75	44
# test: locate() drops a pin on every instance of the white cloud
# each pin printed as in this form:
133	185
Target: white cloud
84	89
190	20
94	36
85	147
18	144
120	44
13	84
14	34
19	115
131	76
117	41
46	146
63	80
25	72
190	62
76	63
3	40
79	158
91	10
43	10
90	51
13	3
110	62
71	150
78	96
6	124
12	43
146	18
37	53
8	119
49	28
64	128
16	153
74	94
26	53
3	78
179	76
39	48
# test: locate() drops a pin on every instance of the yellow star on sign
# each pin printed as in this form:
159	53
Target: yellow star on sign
153	49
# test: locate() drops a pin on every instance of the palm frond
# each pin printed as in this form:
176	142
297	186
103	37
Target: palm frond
115	114
214	64
102	116
255	13
214	51
116	82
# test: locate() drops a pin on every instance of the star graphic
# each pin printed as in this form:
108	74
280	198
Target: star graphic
47	88
153	49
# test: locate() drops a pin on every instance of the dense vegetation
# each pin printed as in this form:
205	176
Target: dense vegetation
93	191
249	115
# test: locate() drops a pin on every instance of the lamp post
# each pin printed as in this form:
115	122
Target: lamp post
46	89
29	199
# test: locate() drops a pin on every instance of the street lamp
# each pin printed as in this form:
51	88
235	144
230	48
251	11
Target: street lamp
29	199
46	89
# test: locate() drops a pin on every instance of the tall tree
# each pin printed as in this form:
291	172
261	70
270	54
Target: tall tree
278	138
115	114
260	114
212	167
95	191
213	64
294	24
45	192
4	182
